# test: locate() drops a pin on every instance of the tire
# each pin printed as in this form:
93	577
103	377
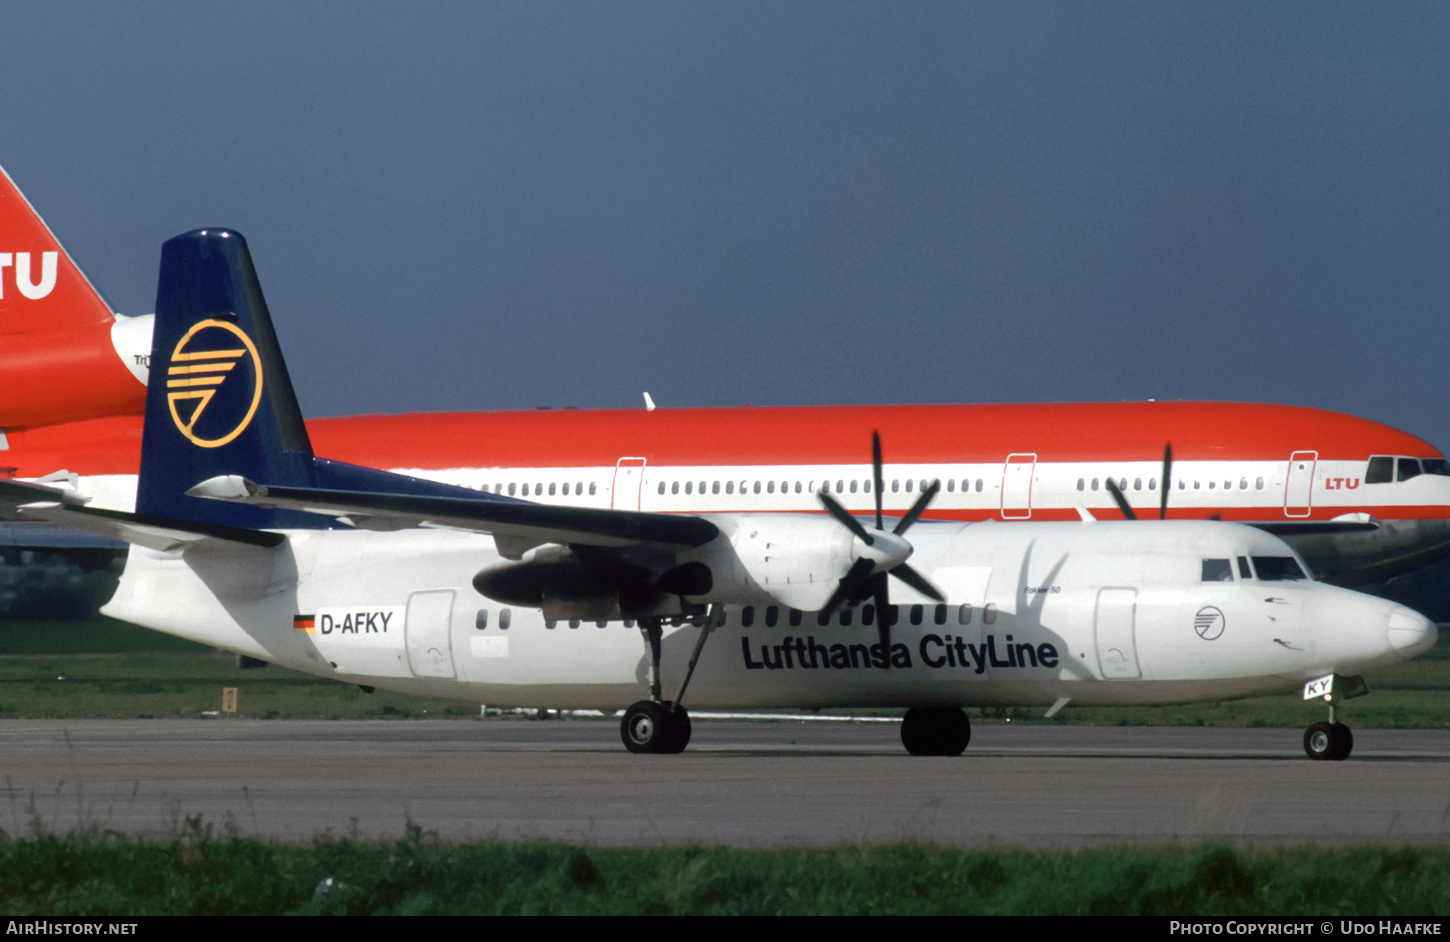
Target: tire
650	727
645	727
1329	742
935	731
1345	742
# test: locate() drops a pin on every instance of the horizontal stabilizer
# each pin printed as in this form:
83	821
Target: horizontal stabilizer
60	506
530	522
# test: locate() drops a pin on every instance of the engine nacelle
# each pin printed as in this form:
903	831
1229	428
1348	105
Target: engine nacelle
796	560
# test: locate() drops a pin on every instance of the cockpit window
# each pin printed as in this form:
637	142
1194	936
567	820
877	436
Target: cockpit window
1278	569
1217	570
1381	470
1436	466
1406	468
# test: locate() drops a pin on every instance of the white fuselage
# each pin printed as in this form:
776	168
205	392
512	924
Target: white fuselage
1104	613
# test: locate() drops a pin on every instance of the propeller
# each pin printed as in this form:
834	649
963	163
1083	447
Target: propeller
885	553
1167	479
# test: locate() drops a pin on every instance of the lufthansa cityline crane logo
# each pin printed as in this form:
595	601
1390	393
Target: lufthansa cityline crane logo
213	356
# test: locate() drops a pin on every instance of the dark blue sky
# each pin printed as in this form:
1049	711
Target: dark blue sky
507	205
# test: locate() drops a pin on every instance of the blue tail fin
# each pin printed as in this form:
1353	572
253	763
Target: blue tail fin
220	400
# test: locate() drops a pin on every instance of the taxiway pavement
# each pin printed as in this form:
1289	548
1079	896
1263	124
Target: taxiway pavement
752	784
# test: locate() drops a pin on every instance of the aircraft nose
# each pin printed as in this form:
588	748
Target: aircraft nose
1409	632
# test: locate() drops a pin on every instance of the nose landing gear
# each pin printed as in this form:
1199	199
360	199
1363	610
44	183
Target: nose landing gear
1331	741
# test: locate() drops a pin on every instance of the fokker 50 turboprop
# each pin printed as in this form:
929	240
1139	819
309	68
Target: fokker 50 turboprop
243	539
1359	501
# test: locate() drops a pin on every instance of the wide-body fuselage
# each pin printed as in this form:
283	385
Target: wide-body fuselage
1269	464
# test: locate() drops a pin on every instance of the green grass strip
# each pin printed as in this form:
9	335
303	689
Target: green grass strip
201	872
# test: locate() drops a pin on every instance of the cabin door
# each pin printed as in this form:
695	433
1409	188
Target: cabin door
1114	631
628	476
1299	483
429	650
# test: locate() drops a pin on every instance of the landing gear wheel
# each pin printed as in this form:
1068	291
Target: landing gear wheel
1328	741
653	727
936	731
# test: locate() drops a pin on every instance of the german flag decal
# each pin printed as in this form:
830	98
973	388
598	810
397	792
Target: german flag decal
304	624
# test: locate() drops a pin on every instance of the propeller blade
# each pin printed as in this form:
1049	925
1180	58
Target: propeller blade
1167	479
918	507
850	584
1122	501
883	612
917	581
876	477
846	520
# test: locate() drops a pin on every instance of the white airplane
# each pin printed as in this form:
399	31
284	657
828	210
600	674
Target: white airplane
243	539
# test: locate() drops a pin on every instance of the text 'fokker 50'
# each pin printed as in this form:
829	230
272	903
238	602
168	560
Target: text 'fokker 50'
243	539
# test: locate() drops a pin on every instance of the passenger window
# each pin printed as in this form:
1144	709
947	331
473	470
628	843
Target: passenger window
1380	470
979	485
1259	484
1137	484
511	489
1081	484
730	487
845	617
747	616
714	487
823	619
795	618
573	623
551	623
940	616
770	487
505	618
964	614
868	614
481	622
916	614
689	487
772	615
662	487
591	490
1217	570
989	614
952	485
757	487
1095	483
853	485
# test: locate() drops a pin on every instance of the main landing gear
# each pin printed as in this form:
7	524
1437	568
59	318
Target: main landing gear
655	725
936	731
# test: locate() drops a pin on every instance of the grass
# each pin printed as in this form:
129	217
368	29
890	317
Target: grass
199	871
109	669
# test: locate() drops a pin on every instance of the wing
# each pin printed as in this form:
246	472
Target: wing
515	525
